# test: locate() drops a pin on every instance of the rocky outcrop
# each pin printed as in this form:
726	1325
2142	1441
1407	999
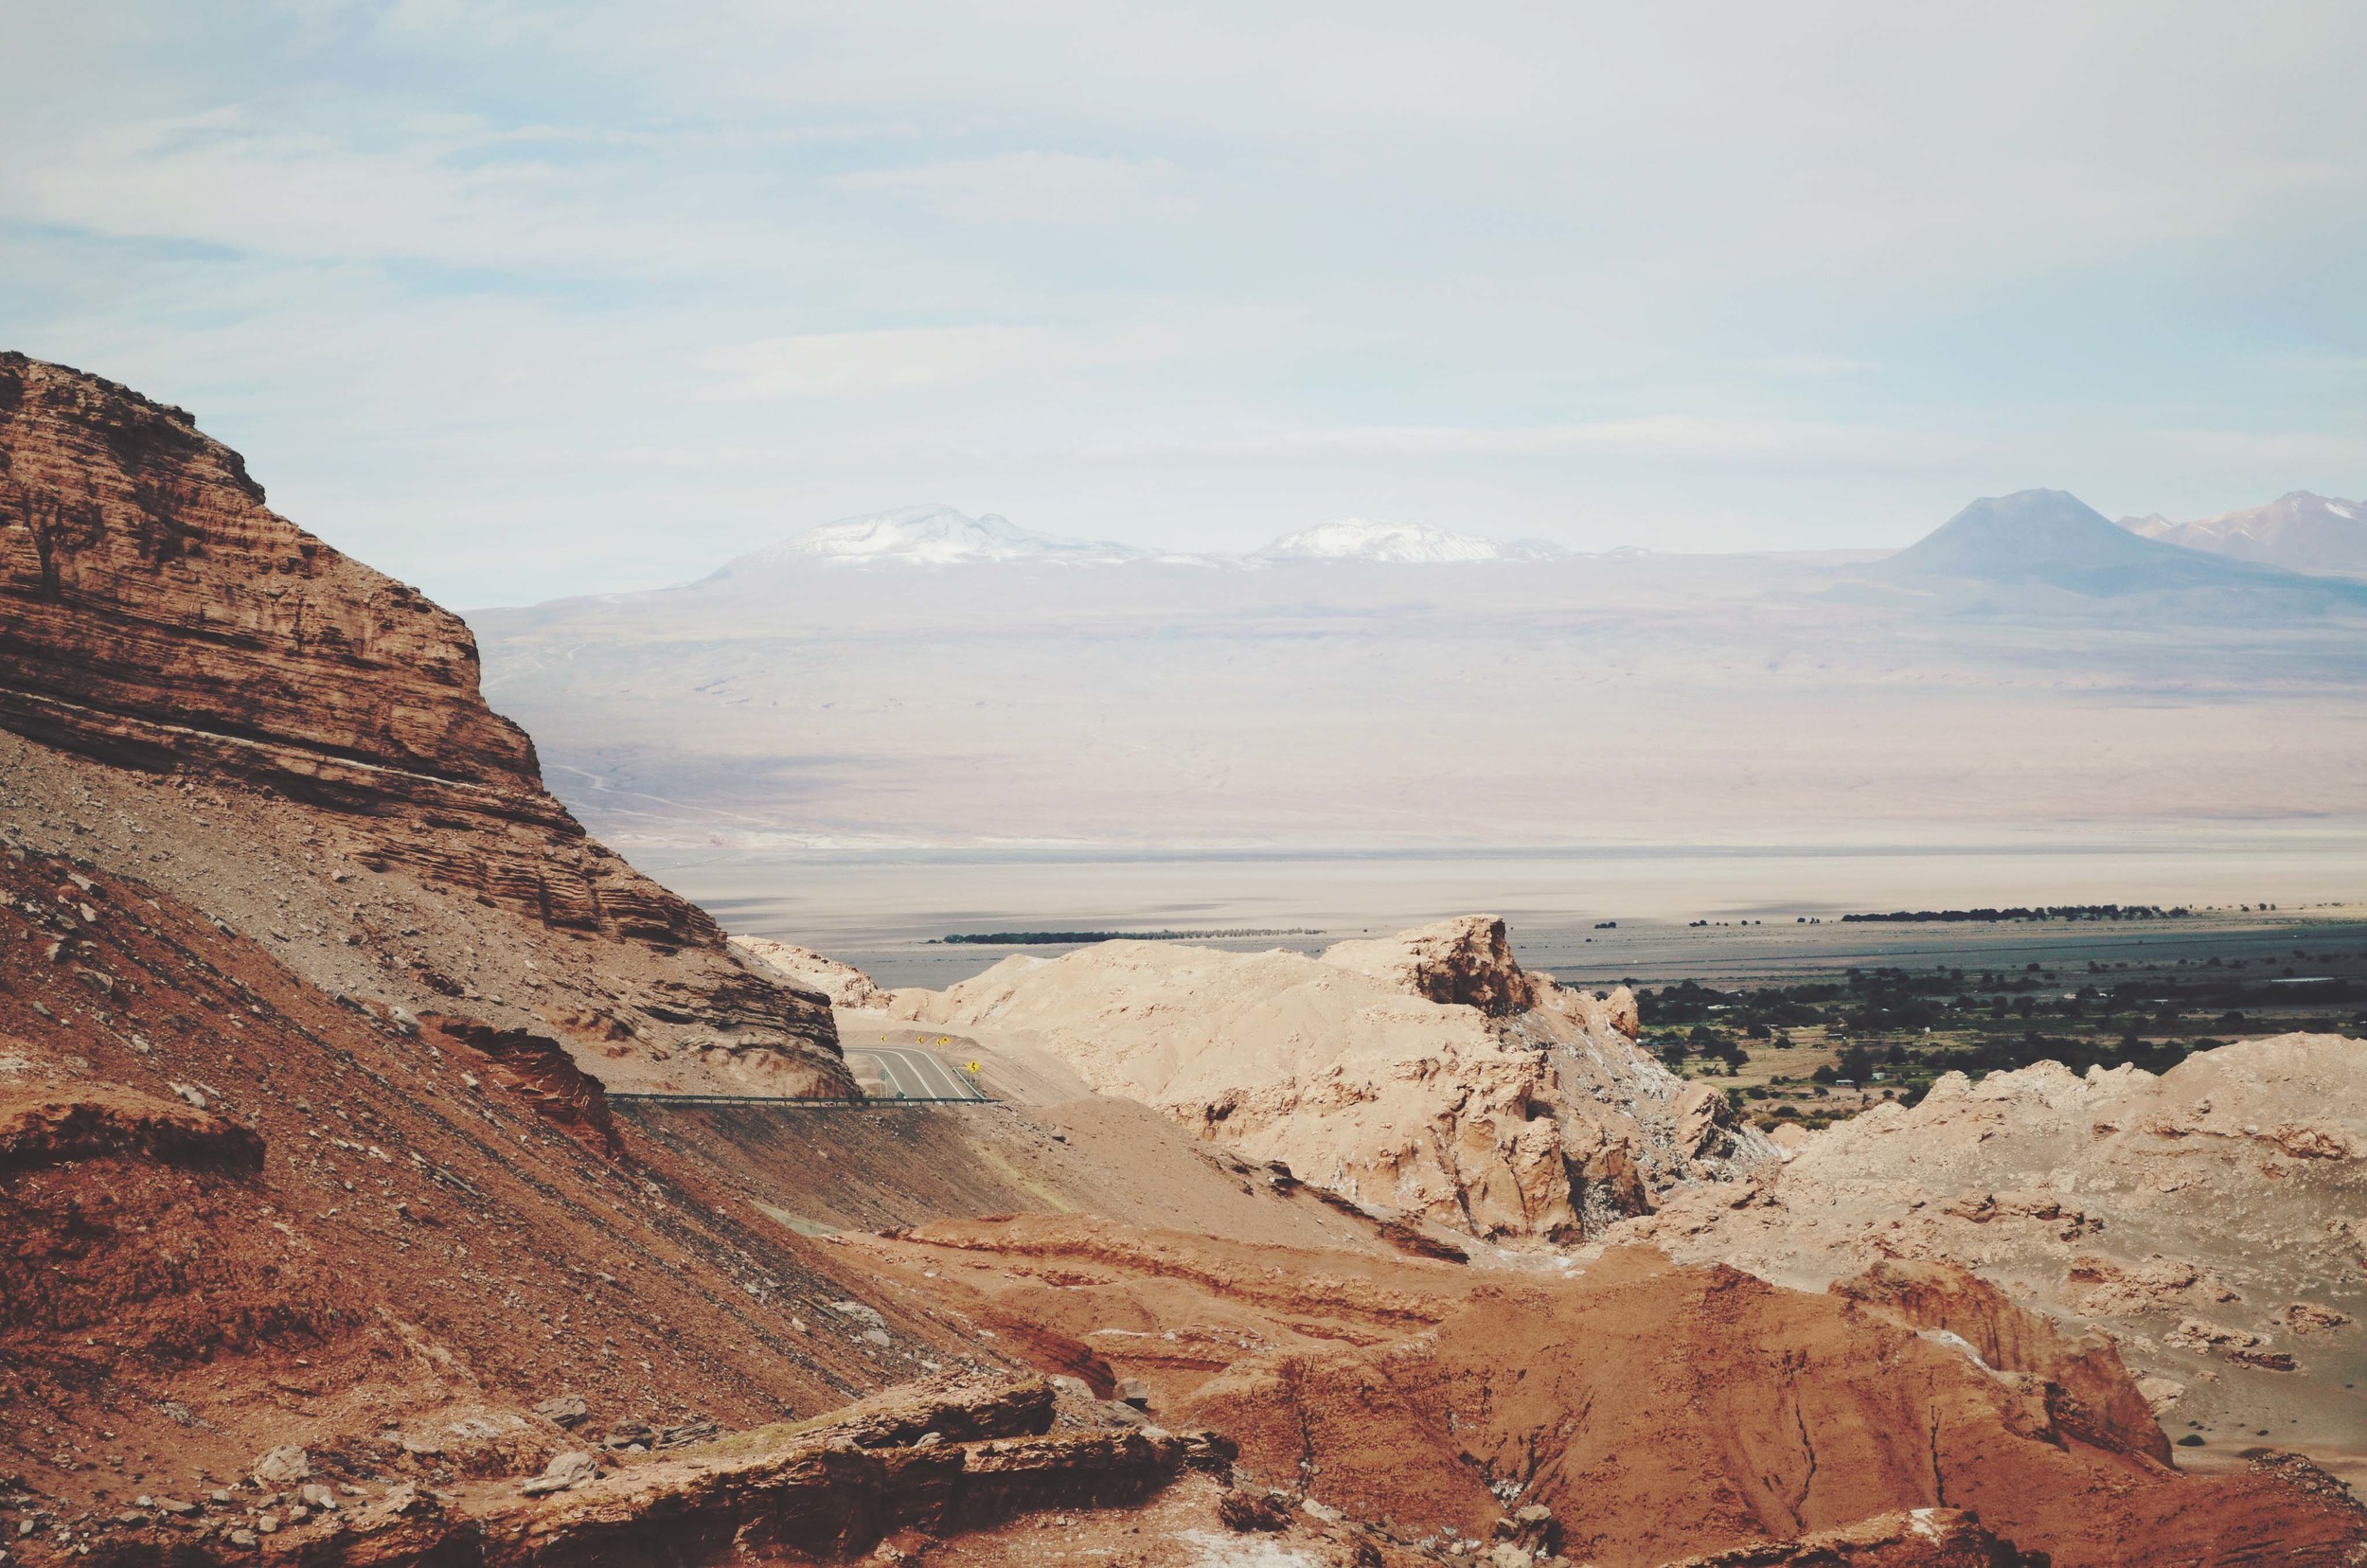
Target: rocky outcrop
156	616
1913	1538
1548	1121
2181	1214
844	984
2086	1389
539	1071
1619	1409
156	605
1464	962
938	1460
104	1122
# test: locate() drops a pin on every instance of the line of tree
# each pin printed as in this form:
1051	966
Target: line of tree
2047	912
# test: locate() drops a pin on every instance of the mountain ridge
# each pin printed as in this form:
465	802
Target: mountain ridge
2299	530
935	535
930	534
1397	544
2048	539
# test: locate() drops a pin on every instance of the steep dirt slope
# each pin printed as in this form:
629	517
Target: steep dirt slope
2209	1219
242	1215
245	1217
296	742
1426	1074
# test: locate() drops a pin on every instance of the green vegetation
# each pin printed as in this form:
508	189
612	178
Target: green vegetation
1822	1050
2050	912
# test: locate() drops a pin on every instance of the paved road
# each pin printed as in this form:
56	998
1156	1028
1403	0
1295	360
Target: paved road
916	1075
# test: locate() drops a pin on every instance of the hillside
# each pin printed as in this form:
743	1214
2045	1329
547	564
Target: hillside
351	1226
2298	531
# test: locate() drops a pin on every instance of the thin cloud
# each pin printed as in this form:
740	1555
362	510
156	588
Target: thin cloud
819	364
1031	187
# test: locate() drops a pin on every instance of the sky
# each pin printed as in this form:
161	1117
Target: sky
517	299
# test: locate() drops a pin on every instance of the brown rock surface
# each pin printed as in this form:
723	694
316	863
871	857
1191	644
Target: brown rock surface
303	740
1656	1412
242	1216
939	1459
539	1072
2182	1214
2098	1400
1464	962
1914	1538
65	1126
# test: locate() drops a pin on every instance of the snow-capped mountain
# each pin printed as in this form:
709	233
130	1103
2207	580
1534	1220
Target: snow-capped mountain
2299	531
1404	543
940	536
927	536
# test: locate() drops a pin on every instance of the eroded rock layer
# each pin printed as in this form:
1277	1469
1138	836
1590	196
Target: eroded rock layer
1623	1410
158	619
1425	1074
2208	1219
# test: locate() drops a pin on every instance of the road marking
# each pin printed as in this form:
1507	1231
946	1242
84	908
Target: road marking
918	1075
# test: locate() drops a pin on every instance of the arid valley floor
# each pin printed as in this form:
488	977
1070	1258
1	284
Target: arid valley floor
390	1174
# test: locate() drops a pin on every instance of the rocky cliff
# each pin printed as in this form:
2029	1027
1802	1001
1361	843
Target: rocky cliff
1425	1074
307	736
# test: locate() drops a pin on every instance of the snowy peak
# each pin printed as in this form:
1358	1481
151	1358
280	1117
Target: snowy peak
2299	531
935	536
1397	544
927	536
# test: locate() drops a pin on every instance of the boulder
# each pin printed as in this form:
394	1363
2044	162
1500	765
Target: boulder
282	1466
565	1473
1464	962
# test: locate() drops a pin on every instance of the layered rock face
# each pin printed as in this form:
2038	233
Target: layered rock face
1427	1074
1616	1409
156	605
2206	1218
157	618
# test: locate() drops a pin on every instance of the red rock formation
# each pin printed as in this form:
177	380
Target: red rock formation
158	614
155	615
1913	1538
101	1121
540	1071
2090	1391
223	1194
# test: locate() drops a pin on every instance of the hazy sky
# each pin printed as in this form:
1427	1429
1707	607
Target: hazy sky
516	298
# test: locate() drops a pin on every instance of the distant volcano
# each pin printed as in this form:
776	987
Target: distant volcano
2043	538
